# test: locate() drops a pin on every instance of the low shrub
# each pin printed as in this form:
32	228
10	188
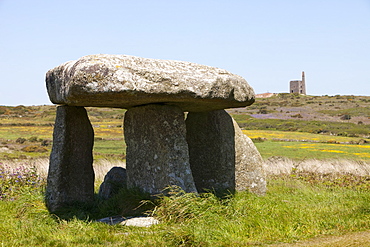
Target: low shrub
34	149
263	110
297	115
345	117
21	140
46	143
258	139
33	139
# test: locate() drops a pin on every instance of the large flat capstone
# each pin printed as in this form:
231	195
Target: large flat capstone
127	81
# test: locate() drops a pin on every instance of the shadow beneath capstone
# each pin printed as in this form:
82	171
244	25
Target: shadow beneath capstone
126	202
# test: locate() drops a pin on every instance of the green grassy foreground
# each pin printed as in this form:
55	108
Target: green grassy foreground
295	208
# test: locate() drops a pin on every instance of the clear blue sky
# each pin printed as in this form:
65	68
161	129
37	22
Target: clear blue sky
268	42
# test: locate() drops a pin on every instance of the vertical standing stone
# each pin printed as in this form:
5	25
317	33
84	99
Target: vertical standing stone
210	136
157	152
222	158
71	175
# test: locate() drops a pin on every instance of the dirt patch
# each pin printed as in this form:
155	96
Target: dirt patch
358	239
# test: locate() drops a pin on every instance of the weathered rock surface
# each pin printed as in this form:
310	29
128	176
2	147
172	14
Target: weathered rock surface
210	137
249	168
115	179
222	158
71	175
127	81
157	152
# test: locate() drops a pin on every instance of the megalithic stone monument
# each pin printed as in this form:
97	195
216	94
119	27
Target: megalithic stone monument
156	94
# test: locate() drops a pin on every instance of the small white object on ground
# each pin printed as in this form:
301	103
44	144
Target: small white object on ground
130	221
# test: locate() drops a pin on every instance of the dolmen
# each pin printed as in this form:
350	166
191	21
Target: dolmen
204	151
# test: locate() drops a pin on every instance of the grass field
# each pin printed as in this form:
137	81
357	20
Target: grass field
311	136
299	136
304	150
109	142
295	208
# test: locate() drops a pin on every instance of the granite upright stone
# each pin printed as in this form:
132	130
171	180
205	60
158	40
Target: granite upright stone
222	158
114	180
210	136
71	175
157	152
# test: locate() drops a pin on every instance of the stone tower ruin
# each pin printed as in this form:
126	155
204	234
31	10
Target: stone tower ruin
298	86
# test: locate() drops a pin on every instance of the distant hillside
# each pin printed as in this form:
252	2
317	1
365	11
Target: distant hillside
332	115
352	109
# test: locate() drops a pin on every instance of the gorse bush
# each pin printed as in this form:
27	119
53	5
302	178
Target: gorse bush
15	181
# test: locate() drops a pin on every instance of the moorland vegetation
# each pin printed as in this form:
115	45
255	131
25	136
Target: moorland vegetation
317	160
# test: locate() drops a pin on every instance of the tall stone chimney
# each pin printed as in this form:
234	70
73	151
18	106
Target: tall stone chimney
303	85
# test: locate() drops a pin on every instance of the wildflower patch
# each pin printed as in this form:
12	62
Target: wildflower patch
15	181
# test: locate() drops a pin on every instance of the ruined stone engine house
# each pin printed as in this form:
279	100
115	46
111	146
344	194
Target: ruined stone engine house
298	86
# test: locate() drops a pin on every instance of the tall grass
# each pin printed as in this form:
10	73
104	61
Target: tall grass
41	166
278	165
275	165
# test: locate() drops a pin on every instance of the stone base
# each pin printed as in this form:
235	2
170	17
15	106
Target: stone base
115	179
157	152
71	175
222	158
